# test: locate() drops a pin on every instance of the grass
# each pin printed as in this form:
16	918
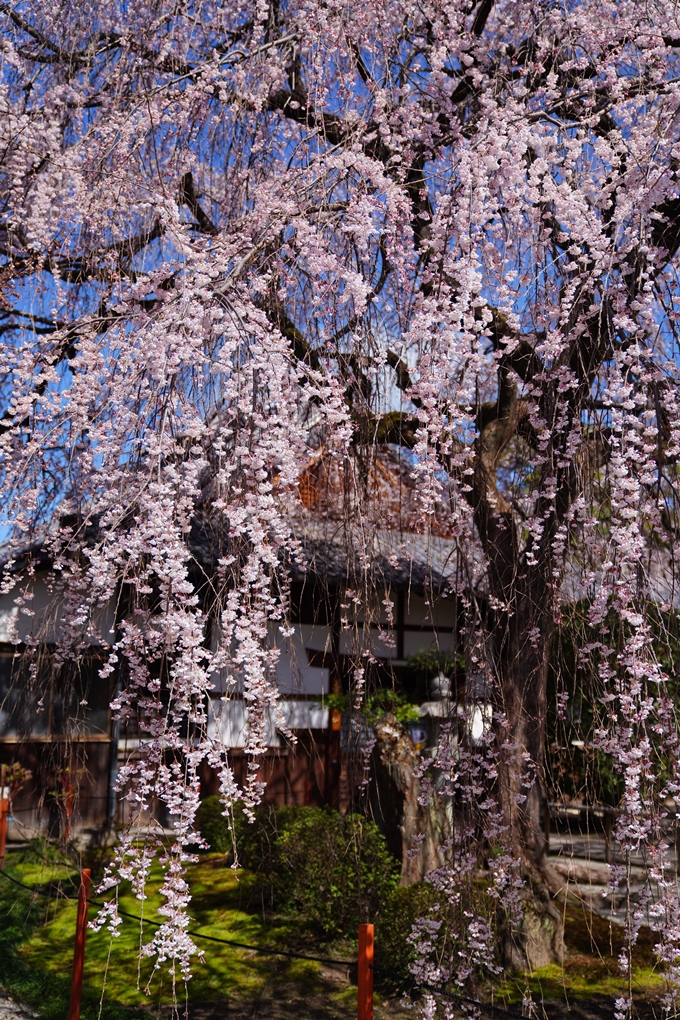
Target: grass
36	946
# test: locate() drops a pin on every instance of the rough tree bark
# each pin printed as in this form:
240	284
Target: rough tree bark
394	802
523	675
394	796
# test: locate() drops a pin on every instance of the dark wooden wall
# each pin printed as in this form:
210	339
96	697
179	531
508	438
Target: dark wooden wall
308	773
39	808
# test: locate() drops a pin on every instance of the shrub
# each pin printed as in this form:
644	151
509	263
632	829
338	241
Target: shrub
335	869
393	953
213	826
256	841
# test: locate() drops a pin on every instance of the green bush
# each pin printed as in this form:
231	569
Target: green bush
213	826
259	841
256	841
393	953
335	869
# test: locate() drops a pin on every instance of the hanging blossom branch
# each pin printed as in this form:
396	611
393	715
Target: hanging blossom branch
239	244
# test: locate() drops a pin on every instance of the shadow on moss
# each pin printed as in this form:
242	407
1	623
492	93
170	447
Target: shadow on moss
41	990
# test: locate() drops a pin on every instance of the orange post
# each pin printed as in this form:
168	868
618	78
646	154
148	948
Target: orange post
79	948
365	982
4	815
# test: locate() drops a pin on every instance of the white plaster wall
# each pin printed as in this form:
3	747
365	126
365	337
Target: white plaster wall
41	615
294	674
8	619
228	720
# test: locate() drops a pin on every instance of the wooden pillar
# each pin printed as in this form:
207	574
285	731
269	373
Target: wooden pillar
79	947
68	811
4	813
112	792
365	980
400	625
4	817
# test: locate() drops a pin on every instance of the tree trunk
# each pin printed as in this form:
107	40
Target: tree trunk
518	626
394	803
521	641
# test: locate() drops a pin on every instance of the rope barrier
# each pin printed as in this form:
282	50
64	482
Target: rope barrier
195	934
482	1006
485	1007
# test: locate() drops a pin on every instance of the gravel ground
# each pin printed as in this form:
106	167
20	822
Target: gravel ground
12	1011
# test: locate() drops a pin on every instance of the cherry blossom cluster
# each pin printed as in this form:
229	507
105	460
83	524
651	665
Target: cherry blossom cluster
239	241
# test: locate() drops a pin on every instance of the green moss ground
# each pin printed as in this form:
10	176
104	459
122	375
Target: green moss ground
36	946
590	970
